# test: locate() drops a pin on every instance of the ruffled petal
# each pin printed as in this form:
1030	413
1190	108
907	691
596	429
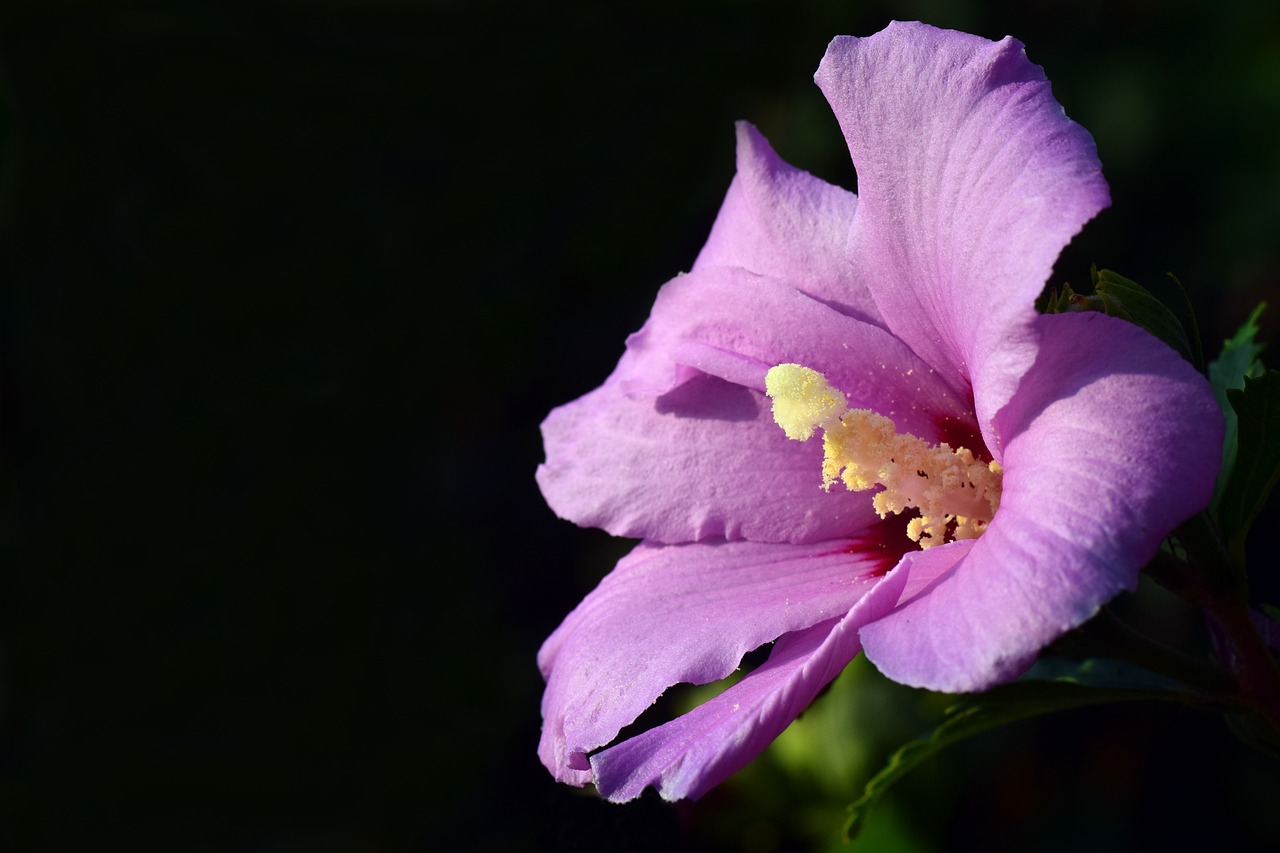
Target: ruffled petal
970	181
667	615
697	751
782	222
730	323
1110	443
705	461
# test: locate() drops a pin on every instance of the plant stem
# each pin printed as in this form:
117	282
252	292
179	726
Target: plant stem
1212	581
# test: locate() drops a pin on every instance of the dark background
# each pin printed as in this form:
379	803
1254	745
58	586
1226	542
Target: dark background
290	286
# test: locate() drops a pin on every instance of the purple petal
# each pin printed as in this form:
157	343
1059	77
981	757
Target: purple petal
699	750
705	461
685	613
782	222
970	181
736	325
1111	441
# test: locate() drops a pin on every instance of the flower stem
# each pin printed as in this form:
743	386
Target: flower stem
1212	581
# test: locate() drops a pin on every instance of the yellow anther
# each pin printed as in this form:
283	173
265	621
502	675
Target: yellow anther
802	400
864	450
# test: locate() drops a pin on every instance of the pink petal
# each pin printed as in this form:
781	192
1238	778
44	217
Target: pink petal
782	222
1111	441
705	461
685	613
697	751
970	181
736	325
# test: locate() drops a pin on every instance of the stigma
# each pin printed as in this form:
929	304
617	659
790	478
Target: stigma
956	494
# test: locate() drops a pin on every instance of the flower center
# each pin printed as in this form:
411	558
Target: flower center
864	450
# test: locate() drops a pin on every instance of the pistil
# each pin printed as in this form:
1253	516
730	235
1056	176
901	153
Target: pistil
957	495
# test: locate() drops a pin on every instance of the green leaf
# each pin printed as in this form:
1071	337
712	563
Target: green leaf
1103	673
1054	302
1189	312
1130	301
1067	686
1257	409
1239	359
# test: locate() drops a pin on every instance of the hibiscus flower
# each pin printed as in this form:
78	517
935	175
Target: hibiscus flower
911	305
